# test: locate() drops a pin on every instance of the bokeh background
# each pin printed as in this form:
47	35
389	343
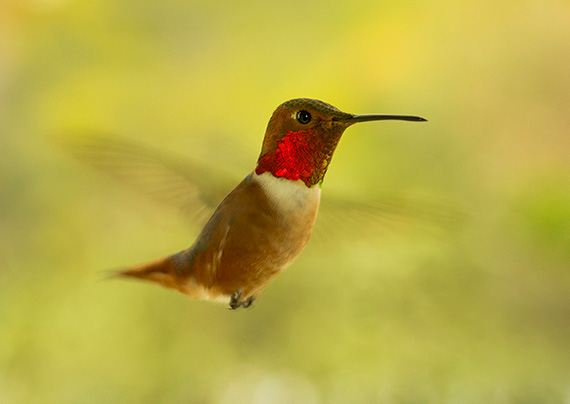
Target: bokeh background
398	313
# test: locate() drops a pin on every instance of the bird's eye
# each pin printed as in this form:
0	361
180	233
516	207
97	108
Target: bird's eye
304	117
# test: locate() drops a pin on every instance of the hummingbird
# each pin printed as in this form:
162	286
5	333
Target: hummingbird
264	224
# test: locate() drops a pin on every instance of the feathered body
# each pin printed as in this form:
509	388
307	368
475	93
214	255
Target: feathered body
256	232
265	222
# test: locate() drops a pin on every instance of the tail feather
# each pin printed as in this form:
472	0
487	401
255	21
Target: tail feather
176	272
162	271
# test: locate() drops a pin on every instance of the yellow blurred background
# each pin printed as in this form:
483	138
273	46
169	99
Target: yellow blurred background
476	314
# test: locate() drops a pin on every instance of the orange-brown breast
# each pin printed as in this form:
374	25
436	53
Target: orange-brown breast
256	232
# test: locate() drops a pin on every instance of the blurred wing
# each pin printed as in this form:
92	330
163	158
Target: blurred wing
197	188
343	217
187	185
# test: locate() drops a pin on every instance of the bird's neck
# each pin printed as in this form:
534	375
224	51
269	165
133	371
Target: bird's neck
301	155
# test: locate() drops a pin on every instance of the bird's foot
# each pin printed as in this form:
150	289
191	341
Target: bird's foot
247	302
235	301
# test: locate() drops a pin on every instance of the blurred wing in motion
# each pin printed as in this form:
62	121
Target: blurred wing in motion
195	188
342	217
192	186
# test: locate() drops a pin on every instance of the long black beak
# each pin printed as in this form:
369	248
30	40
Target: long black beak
380	117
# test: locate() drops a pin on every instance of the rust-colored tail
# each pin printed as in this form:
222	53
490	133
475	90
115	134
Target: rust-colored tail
163	271
177	272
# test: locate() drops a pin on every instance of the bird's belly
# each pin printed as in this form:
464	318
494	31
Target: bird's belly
261	240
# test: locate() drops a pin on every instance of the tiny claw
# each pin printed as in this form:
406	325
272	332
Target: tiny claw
247	302
234	301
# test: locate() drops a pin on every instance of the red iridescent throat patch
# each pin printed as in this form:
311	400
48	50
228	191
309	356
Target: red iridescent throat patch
299	155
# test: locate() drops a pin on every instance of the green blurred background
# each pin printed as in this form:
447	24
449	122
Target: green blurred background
476	314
